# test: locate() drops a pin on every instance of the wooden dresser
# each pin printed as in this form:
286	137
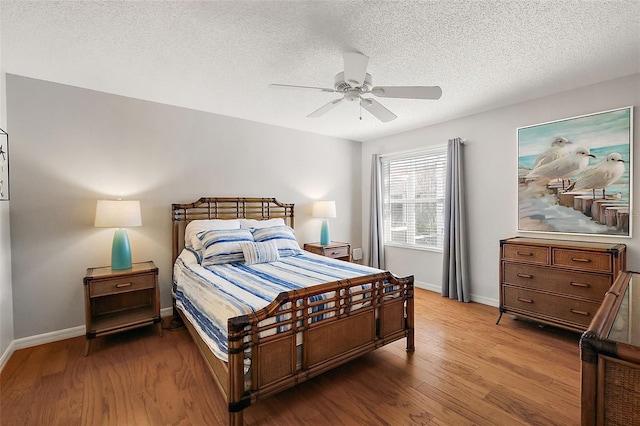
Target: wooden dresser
557	282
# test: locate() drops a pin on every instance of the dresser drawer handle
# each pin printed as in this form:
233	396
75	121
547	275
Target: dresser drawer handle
524	275
579	259
520	253
580	285
573	311
124	285
520	299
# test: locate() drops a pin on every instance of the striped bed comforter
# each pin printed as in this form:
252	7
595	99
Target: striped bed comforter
209	296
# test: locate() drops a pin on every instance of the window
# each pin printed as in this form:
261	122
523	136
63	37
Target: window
413	190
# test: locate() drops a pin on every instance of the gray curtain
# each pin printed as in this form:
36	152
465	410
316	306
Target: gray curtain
455	275
376	227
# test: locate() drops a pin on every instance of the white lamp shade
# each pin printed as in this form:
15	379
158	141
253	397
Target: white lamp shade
324	209
117	214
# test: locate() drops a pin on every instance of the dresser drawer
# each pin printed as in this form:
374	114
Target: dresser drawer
584	260
121	285
336	252
529	254
579	284
555	307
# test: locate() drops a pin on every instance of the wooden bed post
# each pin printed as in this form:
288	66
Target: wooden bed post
410	326
236	398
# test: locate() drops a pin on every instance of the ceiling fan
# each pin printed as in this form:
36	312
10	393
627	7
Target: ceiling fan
355	81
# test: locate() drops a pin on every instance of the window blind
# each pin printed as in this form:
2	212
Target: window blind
413	198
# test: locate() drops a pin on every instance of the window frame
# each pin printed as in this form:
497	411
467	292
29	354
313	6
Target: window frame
439	199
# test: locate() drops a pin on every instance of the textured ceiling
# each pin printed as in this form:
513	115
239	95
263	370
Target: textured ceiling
221	56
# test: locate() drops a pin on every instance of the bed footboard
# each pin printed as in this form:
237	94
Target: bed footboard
308	331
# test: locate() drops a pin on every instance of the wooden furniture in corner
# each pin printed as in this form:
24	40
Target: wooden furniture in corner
335	250
116	301
610	354
557	282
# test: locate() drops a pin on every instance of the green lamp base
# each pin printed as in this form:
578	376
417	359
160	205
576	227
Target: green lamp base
325	238
120	250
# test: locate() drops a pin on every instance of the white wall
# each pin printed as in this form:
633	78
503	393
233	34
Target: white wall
491	176
72	146
6	298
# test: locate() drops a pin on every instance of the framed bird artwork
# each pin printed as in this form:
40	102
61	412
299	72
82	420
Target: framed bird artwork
575	175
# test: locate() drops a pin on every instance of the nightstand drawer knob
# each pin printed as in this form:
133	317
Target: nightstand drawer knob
522	299
124	285
521	275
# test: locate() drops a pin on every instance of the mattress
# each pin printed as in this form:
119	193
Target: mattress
209	296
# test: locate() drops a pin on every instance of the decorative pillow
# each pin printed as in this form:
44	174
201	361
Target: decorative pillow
267	223
223	246
196	227
282	236
263	252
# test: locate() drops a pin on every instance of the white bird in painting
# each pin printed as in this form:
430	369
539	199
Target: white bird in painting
600	175
559	148
563	167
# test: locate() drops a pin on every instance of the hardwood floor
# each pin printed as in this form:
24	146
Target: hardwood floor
466	371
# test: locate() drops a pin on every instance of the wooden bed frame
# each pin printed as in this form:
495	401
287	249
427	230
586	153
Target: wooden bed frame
280	360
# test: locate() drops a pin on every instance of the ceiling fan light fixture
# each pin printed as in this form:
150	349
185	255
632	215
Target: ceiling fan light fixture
355	81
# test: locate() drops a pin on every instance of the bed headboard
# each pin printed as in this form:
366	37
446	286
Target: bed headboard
225	208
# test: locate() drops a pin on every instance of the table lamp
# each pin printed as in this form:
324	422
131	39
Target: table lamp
118	214
324	209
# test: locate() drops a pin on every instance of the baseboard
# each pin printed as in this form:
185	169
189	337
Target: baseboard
68	333
7	354
54	336
474	297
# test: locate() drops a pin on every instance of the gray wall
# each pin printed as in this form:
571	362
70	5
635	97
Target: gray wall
72	146
6	298
491	176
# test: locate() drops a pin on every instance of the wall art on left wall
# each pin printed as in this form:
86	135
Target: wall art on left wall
4	166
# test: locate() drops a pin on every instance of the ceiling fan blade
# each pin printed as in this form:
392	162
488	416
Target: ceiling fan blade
408	92
376	108
355	68
323	109
291	86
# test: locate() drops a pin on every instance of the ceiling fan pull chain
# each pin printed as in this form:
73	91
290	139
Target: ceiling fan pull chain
360	112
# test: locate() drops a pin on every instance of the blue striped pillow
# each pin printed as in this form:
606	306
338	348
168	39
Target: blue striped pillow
223	246
263	252
282	236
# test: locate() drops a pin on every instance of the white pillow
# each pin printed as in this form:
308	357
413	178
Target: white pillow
259	224
196	227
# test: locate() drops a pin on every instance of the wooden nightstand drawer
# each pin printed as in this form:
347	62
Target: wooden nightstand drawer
529	254
121	285
582	260
336	252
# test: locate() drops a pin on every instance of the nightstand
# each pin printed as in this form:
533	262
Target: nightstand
334	250
121	300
